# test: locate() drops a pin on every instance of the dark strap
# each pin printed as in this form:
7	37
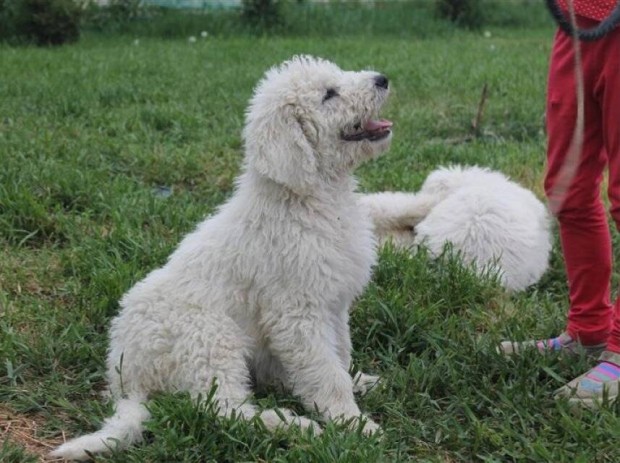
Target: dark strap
588	35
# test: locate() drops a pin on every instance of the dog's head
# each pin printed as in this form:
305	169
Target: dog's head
310	122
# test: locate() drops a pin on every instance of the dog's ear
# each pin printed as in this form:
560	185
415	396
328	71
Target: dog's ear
279	146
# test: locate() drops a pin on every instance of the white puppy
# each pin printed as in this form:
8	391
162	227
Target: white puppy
263	288
493	222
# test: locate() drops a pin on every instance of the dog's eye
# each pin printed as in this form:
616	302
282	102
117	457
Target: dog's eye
330	93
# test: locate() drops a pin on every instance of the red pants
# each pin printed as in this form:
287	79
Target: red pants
584	230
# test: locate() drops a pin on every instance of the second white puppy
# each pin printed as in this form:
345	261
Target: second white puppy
492	221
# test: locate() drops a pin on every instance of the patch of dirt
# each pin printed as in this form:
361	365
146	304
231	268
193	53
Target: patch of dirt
23	431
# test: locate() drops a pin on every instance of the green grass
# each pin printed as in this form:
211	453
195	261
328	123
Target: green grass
396	18
92	134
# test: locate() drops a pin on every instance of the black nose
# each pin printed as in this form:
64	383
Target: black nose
381	81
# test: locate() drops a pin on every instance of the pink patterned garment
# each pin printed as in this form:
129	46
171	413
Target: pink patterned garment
593	9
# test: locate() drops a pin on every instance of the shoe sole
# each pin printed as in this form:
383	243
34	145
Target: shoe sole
591	404
512	351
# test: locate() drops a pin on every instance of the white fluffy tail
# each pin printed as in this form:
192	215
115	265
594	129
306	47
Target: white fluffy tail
397	211
120	430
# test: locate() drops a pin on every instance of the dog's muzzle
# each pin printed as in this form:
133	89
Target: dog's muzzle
371	130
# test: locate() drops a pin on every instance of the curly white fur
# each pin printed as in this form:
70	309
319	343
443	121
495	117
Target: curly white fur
492	221
263	288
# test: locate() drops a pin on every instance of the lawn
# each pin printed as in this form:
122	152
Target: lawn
113	148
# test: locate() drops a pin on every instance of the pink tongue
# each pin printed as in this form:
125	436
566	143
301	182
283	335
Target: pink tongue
374	126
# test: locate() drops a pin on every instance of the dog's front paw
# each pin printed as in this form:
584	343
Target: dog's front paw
363	383
369	427
306	423
360	423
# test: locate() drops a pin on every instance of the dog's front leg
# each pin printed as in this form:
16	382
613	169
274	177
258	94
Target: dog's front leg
314	370
362	382
341	337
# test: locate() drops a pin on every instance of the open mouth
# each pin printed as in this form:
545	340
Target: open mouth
371	130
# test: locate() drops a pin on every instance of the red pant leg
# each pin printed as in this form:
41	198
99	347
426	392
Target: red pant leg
584	230
608	90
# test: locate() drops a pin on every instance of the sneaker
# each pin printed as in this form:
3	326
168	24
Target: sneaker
597	386
563	343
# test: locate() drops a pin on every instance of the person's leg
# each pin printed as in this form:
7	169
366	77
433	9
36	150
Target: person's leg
584	231
610	100
603	381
